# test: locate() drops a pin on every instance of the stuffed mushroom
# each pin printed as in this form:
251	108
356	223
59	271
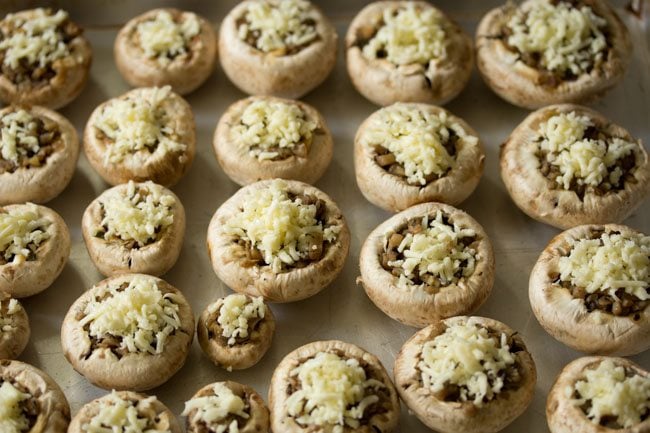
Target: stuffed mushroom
14	327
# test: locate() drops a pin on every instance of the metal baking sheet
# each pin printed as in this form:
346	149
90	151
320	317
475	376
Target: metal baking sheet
341	311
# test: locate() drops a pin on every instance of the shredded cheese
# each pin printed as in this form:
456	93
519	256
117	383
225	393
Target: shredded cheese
334	391
609	263
282	229
409	35
214	409
138	124
266	125
12	417
610	392
279	25
17	139
140	315
35	41
6	321
117	415
163	39
465	355
566	38
140	213
234	314
22	230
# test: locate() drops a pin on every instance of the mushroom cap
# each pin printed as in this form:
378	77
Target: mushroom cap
14	341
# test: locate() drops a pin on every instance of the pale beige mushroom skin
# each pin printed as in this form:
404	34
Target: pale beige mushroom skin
166	170
240	355
290	76
517	83
460	417
394	194
13	341
384	83
42	184
33	276
243	168
71	75
113	257
564	416
258	420
54	415
166	419
567	318
417	307
134	371
182	73
532	192
297	283
281	421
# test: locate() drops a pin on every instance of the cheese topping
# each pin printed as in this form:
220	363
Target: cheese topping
213	409
12	418
17	140
235	314
6	321
140	215
409	35
35	41
334	391
22	231
583	160
266	126
609	263
138	123
117	415
438	251
565	38
610	392
140	315
278	25
281	228
465	355
163	39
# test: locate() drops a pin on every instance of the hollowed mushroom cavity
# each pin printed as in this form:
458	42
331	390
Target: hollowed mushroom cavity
14	328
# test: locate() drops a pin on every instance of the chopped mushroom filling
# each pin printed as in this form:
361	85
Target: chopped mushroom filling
18	409
237	318
7	309
221	411
119	415
575	155
430	253
22	231
278	27
164	37
612	396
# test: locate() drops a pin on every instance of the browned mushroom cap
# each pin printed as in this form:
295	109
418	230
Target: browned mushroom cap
14	327
451	160
447	406
263	59
255	140
145	134
420	292
134	227
166	47
101	412
225	341
596	318
34	248
41	172
388	60
56	71
245	407
373	406
524	80
242	264
43	406
112	350
531	172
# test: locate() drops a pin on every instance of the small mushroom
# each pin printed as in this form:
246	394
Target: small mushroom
14	327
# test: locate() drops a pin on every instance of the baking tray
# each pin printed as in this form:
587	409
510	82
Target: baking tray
341	311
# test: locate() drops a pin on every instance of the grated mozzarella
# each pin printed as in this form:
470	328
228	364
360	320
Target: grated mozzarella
12	418
234	314
21	227
334	391
465	355
6	322
162	38
16	140
138	123
117	415
139	314
213	409
609	263
612	393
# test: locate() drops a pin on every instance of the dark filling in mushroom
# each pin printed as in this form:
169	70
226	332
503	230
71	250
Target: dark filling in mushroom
200	426
29	407
177	17
49	141
386	160
215	331
252	36
30	75
4	315
432	283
